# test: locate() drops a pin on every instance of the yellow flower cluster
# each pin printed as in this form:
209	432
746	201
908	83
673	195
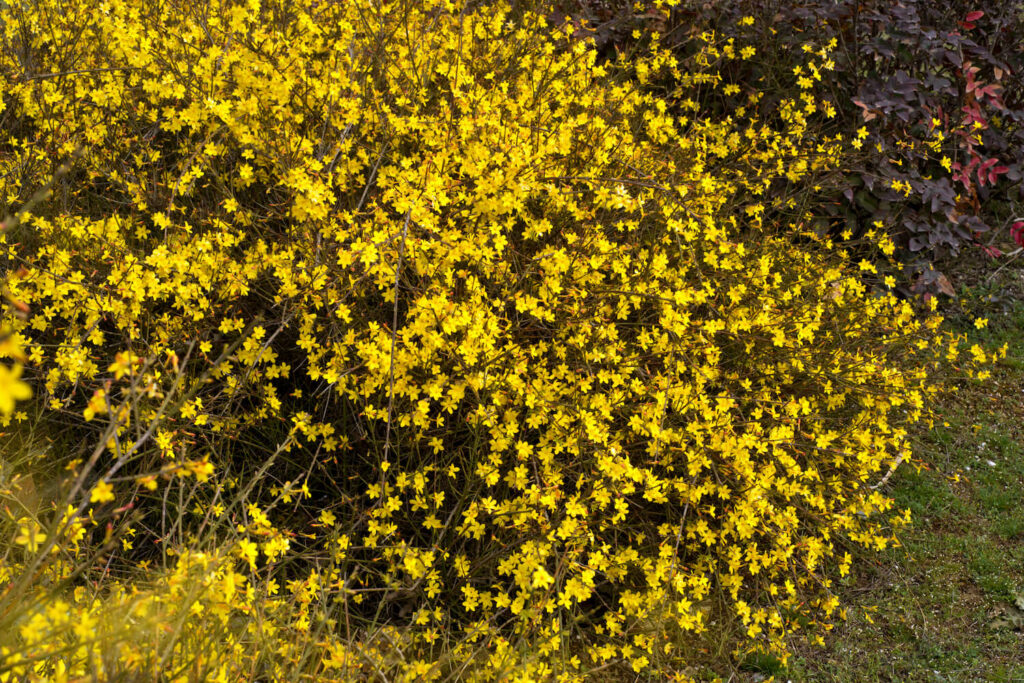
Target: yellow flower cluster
415	343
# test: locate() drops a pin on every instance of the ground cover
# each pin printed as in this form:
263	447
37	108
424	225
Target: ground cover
949	604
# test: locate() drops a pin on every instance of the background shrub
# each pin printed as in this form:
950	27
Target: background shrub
928	93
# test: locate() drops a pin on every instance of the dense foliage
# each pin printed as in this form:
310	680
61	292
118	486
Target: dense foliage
931	95
413	340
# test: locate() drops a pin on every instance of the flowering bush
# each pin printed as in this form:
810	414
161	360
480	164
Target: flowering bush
409	341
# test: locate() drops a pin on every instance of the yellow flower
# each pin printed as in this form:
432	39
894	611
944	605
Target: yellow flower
248	552
12	388
541	578
30	536
202	469
103	492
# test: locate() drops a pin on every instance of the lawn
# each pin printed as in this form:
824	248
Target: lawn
949	605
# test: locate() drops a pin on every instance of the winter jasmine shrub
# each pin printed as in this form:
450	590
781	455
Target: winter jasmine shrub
393	341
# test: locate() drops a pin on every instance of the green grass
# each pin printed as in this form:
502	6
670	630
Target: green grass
949	605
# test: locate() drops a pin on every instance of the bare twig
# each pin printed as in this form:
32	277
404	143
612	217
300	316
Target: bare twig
1013	257
394	334
895	464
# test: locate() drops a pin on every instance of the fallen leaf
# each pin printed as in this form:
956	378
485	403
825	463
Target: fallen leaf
945	286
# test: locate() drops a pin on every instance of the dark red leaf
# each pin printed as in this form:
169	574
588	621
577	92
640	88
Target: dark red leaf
1017	233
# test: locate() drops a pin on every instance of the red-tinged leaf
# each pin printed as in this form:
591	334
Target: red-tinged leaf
973	114
1017	233
993	252
983	171
995	172
974	16
867	111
